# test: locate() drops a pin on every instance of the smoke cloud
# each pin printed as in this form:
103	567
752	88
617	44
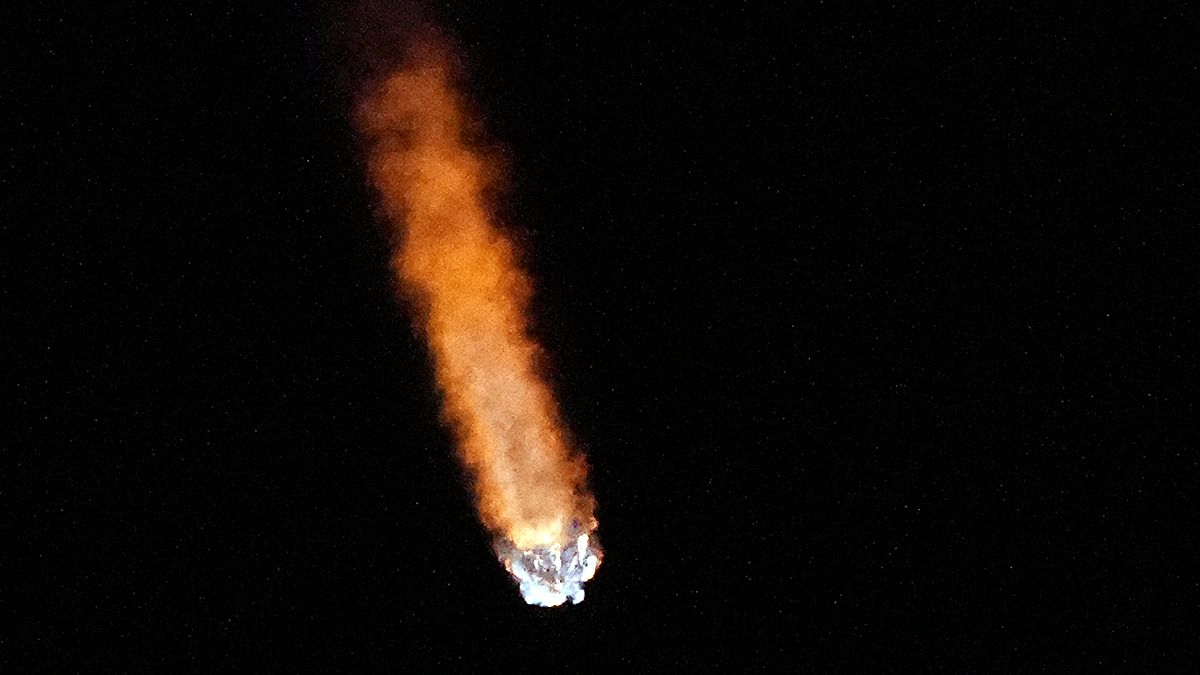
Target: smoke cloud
471	299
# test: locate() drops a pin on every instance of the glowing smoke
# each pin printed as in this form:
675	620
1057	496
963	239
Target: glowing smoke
471	296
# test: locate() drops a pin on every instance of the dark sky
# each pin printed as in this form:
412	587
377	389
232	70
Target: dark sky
872	324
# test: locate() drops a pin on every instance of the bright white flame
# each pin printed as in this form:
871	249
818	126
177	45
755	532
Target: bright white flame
551	575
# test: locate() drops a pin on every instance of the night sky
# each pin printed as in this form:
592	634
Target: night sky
871	322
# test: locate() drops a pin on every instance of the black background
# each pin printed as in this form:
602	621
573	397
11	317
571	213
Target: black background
872	323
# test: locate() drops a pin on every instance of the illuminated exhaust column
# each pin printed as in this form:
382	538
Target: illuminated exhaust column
471	296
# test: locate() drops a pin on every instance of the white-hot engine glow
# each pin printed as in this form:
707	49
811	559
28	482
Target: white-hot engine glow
551	575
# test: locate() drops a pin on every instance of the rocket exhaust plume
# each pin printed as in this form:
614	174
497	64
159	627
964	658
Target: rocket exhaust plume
471	296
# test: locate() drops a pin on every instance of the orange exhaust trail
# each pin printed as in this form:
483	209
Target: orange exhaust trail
471	297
